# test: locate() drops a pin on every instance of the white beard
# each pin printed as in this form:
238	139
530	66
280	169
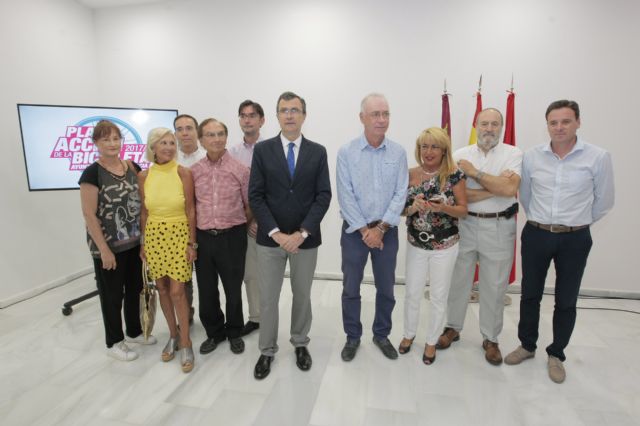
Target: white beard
486	145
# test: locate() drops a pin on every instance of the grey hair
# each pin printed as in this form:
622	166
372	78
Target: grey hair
370	96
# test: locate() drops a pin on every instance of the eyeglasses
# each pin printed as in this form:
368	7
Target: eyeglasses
380	114
426	147
219	134
250	115
186	128
287	111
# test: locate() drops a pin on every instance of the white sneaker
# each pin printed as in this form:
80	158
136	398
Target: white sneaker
151	340
121	352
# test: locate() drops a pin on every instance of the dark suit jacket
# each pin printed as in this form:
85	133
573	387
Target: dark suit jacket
289	204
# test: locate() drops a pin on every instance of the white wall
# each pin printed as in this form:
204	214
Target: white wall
48	56
205	57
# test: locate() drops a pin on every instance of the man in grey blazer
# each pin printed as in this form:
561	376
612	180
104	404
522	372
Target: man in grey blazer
289	194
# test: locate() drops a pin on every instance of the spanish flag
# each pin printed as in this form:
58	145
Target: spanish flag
473	137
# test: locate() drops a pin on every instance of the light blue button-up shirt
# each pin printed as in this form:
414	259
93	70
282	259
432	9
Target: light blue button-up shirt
573	191
371	182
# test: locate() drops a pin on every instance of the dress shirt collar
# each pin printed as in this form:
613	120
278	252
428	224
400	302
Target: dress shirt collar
579	146
286	142
364	143
492	151
251	145
220	160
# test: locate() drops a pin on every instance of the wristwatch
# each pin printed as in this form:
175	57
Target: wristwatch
304	234
193	245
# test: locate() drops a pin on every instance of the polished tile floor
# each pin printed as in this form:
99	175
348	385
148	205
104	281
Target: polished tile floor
54	371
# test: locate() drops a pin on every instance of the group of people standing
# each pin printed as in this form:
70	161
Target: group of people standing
241	214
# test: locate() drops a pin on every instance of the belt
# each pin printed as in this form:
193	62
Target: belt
557	229
425	236
216	232
513	209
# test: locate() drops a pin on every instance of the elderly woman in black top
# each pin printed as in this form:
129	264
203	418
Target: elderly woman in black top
111	209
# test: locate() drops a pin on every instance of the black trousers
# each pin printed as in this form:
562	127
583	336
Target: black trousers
221	256
116	285
569	252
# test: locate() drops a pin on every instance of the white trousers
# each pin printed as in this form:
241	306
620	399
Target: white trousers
435	266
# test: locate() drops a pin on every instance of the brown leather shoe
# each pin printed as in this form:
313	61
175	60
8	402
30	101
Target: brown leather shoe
448	336
492	352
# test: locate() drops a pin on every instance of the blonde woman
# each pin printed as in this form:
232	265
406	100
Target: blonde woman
435	200
168	221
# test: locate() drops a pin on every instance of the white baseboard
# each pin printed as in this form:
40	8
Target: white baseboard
513	288
331	276
45	287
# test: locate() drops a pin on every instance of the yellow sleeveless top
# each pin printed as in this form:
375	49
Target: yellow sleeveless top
164	193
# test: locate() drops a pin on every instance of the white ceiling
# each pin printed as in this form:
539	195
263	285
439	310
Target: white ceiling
101	4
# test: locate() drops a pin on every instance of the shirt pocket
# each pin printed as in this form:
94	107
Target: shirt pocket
389	173
579	181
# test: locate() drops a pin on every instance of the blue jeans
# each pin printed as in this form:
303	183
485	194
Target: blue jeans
354	258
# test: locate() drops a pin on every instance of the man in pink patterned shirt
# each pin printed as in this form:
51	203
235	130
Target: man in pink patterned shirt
222	213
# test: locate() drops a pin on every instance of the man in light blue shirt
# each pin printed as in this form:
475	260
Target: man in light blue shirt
372	179
567	185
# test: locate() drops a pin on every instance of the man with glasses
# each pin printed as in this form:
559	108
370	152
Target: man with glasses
222	212
487	234
251	118
289	194
372	179
189	153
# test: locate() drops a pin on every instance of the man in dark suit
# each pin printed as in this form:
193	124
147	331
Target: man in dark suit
289	194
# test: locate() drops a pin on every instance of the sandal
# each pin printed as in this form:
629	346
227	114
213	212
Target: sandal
428	360
186	359
403	349
170	349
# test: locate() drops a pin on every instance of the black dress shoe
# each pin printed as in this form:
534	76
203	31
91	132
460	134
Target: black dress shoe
263	367
208	346
349	350
386	347
236	344
249	327
303	358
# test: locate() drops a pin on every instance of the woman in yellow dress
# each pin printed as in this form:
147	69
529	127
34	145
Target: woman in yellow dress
168	220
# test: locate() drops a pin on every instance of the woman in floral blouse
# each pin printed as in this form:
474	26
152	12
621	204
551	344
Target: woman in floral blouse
435	200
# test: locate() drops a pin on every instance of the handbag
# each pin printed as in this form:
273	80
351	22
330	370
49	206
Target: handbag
148	303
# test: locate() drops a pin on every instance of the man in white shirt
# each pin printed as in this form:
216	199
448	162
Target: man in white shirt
567	185
251	118
487	234
189	153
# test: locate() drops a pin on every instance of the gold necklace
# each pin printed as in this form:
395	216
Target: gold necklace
428	173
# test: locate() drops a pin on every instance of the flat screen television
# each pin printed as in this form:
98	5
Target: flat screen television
57	144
